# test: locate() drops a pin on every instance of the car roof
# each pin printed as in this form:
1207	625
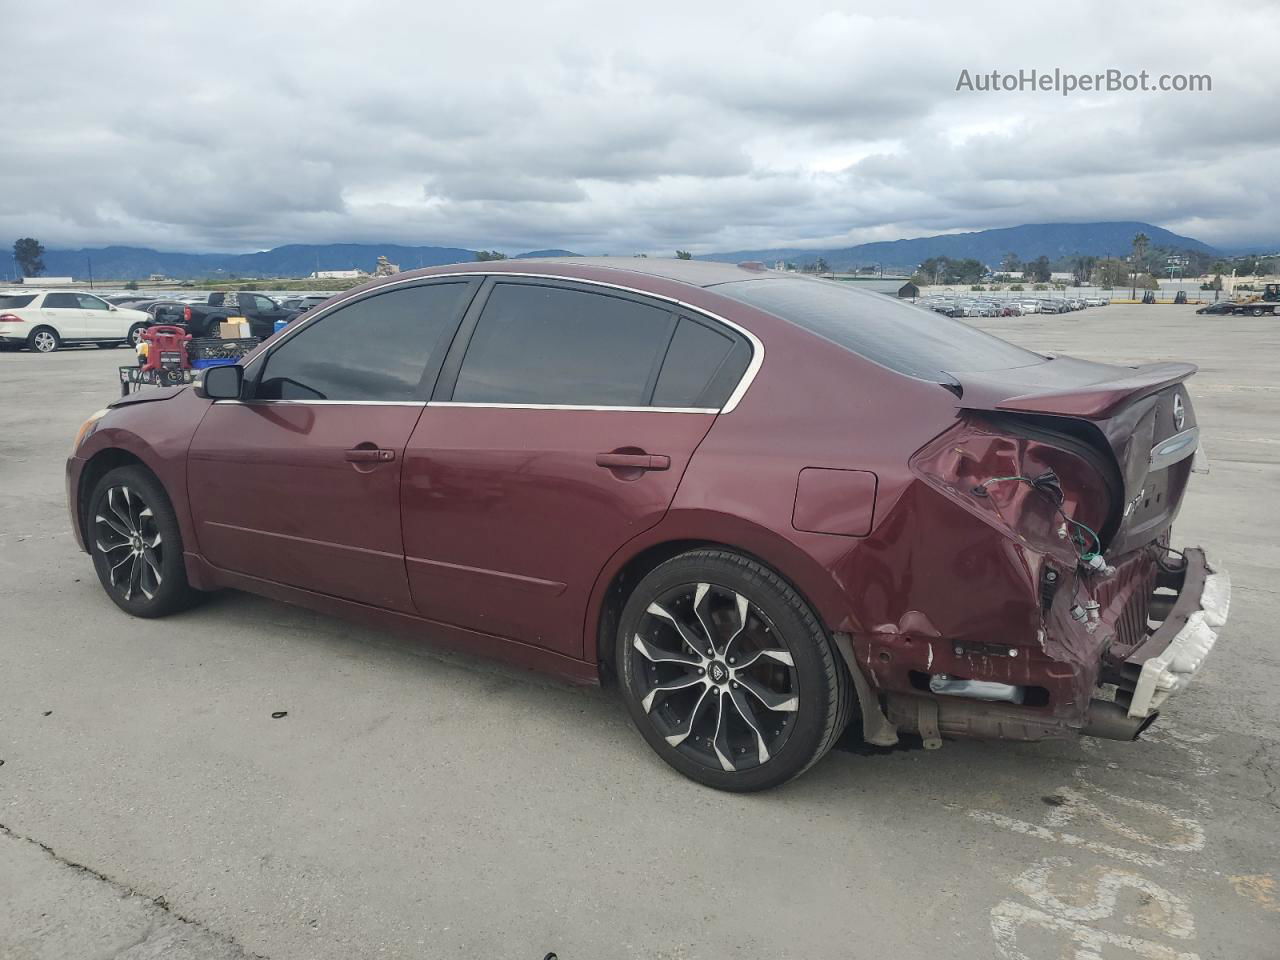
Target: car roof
697	273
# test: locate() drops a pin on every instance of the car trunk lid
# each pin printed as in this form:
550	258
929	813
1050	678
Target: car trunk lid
1141	417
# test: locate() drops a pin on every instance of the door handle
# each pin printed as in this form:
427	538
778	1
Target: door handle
370	455
633	461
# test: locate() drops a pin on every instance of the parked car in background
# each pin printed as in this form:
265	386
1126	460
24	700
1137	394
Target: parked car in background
43	320
170	312
1220	308
304	303
758	502
261	311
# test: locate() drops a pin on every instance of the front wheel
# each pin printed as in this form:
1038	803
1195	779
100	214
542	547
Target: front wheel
728	673
136	545
135	334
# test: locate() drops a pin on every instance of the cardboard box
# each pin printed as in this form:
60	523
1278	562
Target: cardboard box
234	328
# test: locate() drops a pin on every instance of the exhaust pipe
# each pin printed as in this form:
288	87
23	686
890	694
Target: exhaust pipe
1109	721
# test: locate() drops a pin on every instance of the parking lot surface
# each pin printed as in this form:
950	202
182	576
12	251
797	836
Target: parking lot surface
416	804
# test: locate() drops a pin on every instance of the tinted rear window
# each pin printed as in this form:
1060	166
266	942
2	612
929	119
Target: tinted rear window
16	301
552	345
916	342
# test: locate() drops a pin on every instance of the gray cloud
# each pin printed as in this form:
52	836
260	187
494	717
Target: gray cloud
605	128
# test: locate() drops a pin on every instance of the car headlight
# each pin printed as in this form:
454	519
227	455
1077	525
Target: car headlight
87	428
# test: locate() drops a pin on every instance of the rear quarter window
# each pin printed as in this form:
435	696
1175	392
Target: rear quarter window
908	339
17	301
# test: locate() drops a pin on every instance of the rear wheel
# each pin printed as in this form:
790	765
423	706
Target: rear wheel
728	673
1257	311
43	340
136	545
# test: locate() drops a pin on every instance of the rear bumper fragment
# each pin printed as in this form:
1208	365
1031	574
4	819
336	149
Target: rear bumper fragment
1171	657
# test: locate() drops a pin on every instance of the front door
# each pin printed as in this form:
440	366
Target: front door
563	436
299	482
102	322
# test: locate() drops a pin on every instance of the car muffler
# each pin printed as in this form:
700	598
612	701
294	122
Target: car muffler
1109	721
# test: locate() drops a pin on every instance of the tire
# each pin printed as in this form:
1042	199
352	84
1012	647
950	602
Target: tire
133	536
43	340
1256	311
738	726
135	334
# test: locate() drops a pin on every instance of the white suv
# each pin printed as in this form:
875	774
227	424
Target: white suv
42	320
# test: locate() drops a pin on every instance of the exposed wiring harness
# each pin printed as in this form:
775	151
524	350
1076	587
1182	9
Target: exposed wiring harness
1048	484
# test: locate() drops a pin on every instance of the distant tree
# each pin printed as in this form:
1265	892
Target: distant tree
1110	273
645	255
1082	269
1141	244
1011	263
486	255
29	253
131	285
1037	270
683	255
820	266
1016	286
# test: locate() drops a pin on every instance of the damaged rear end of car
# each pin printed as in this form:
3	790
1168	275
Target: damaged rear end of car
1058	604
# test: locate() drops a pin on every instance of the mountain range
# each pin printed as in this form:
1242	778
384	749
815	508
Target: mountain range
1028	241
1054	240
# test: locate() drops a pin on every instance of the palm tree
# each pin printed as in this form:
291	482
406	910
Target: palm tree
1140	243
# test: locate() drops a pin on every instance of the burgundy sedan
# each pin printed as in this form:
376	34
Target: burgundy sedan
765	505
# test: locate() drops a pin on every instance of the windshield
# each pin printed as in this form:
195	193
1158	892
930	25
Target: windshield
913	341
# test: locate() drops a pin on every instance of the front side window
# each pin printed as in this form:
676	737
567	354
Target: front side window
88	302
61	301
538	344
374	349
264	305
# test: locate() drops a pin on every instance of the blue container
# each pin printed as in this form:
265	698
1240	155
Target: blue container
280	325
203	363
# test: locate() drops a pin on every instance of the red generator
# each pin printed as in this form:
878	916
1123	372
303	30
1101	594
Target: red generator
166	363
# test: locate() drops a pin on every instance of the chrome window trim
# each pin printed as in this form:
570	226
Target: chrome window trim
748	376
571	406
489	406
329	403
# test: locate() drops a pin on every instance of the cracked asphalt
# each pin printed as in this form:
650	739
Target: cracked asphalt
417	804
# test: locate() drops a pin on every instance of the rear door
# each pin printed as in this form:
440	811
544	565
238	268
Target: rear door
555	436
300	483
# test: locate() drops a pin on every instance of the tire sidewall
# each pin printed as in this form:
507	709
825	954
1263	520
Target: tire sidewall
817	700
31	341
135	334
173	587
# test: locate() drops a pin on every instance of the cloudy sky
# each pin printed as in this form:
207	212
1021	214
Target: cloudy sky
611	127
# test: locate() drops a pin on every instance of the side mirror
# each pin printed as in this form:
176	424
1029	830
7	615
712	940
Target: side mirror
221	383
112	307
